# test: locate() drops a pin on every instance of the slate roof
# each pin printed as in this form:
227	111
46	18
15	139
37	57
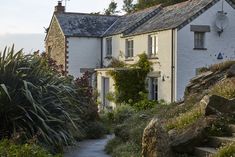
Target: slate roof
174	16
130	21
84	25
152	19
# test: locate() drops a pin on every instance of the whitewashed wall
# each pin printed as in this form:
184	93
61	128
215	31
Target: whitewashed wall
163	64
188	59
83	53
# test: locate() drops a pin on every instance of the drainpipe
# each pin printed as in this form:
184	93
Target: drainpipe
172	64
101	60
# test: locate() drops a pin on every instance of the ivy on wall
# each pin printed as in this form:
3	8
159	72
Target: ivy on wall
130	80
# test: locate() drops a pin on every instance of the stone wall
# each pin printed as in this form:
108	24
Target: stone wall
55	43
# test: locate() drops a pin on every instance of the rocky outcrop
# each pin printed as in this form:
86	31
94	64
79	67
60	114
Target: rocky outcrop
156	142
217	105
191	137
231	71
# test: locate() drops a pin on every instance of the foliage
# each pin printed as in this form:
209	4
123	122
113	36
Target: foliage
142	4
219	128
144	103
185	119
122	113
95	130
128	91
112	9
37	101
9	149
128	6
225	88
227	150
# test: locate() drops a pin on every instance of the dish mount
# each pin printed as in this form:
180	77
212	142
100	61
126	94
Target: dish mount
221	21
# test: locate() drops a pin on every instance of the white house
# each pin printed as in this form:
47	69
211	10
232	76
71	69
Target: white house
178	39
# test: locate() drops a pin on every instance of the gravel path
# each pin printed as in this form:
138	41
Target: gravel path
90	148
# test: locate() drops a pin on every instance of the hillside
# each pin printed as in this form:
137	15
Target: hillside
195	127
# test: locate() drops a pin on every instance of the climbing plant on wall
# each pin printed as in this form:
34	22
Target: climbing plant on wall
130	80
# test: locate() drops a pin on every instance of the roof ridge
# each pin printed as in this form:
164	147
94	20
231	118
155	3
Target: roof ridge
90	14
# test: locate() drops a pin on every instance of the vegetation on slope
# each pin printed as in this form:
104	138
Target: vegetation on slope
37	102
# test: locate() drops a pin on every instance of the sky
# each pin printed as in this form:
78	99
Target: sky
22	22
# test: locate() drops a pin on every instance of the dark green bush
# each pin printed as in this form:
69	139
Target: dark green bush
9	149
36	100
95	130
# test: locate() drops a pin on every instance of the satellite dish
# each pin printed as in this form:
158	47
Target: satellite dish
221	21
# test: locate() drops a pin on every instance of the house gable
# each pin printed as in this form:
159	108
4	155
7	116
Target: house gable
55	43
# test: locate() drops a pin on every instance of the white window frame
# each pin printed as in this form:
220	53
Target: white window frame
129	48
153	45
109	47
199	40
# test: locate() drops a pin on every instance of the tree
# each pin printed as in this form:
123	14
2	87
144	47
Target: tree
142	4
112	9
128	6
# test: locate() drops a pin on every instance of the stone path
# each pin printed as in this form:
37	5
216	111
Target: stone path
90	148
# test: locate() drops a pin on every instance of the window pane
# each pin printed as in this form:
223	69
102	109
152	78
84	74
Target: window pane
199	39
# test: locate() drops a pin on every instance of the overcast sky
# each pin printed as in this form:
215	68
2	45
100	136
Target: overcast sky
22	21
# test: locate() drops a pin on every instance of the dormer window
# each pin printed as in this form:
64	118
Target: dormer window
152	45
108	47
129	48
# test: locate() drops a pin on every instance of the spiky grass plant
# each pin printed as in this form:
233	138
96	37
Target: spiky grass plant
36	101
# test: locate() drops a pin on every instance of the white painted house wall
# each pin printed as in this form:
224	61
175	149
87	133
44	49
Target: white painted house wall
83	53
188	60
163	64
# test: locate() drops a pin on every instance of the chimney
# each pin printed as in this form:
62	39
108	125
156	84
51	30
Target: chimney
59	8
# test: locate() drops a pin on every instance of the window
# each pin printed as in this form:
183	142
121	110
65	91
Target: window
199	40
129	48
153	45
108	47
199	35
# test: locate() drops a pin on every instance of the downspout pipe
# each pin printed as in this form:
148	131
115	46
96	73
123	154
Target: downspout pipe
172	64
101	55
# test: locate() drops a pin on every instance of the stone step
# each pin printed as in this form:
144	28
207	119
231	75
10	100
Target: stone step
205	151
232	127
218	141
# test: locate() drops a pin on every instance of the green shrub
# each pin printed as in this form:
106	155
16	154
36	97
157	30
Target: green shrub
185	119
117	148
112	144
128	91
122	113
144	103
219	128
95	130
9	149
226	151
225	88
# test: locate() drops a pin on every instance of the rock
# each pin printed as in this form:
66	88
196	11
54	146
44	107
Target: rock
217	105
155	142
193	136
231	71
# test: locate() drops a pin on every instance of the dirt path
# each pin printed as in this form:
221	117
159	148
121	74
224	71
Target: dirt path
90	148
